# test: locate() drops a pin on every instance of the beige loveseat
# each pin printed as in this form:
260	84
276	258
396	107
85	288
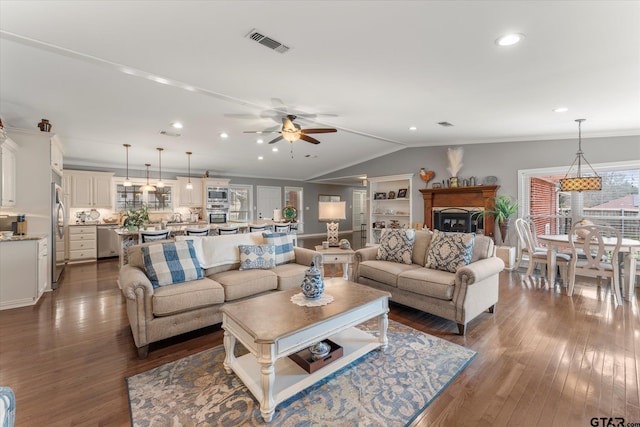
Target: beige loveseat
159	313
459	296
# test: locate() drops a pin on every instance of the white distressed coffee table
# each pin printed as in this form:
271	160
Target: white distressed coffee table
271	327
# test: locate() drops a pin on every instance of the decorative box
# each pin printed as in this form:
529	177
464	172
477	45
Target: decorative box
305	361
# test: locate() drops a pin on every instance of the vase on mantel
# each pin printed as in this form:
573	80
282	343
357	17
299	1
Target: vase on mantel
44	125
453	181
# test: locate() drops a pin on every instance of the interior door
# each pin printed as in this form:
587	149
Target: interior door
359	211
269	198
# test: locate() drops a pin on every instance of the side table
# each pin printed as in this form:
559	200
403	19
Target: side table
335	255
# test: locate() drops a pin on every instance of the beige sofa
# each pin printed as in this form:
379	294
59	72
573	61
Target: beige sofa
459	296
159	313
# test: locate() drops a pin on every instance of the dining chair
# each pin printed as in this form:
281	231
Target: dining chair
536	254
7	407
258	227
597	258
282	227
153	235
197	231
228	230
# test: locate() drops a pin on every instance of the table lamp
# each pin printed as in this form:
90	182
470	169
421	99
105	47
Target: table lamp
332	211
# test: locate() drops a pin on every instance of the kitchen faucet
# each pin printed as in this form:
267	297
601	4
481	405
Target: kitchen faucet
177	217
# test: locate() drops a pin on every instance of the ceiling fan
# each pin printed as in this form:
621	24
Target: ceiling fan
292	132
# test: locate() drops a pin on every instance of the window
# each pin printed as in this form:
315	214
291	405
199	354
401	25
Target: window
240	203
131	197
293	197
554	211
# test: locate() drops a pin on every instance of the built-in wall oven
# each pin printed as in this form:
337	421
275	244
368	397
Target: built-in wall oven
218	217
218	212
217	205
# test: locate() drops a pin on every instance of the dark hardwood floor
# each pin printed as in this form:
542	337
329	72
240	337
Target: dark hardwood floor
543	358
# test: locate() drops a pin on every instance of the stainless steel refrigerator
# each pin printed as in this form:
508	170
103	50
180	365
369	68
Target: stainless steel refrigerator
58	225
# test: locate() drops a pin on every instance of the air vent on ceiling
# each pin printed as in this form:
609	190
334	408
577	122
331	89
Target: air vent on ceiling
167	133
445	124
267	41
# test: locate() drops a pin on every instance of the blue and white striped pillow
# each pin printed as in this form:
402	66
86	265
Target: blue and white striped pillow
171	263
284	247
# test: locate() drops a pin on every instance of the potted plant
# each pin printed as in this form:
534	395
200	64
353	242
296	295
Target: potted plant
136	218
503	208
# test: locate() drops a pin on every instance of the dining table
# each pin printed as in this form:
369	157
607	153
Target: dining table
628	250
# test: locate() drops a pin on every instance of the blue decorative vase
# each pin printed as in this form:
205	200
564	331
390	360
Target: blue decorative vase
313	284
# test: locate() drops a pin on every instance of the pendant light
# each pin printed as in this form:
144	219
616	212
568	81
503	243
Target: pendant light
189	185
127	181
160	184
147	187
581	183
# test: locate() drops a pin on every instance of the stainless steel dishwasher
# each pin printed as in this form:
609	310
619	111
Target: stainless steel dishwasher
107	241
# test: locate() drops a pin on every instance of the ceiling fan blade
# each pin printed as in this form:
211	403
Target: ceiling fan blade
273	141
261	131
319	130
309	139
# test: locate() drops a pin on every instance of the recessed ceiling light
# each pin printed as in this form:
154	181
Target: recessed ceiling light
260	141
224	135
274	149
260	157
160	80
509	39
560	110
176	125
413	128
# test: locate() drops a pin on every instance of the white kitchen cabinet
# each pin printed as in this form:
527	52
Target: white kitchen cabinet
90	189
193	197
83	243
8	173
386	208
56	156
23	272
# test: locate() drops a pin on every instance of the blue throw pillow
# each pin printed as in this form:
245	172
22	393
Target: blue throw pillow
450	251
262	257
283	243
396	245
171	263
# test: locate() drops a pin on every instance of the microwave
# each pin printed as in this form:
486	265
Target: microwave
217	194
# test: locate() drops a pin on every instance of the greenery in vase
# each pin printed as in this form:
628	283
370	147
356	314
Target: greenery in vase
503	208
136	217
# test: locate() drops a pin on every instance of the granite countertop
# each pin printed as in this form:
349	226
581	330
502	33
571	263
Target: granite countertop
15	238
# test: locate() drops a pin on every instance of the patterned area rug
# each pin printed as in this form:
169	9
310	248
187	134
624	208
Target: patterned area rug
380	389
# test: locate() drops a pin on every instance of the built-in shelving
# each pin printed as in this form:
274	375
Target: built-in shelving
386	208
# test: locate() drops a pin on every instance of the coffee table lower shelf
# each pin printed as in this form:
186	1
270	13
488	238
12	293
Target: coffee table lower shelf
291	378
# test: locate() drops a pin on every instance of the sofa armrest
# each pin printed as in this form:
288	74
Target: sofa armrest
305	256
479	270
366	254
132	278
361	255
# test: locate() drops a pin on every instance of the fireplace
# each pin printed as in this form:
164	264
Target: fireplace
479	196
457	220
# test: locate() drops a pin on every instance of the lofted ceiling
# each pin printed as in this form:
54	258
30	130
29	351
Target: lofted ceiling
107	73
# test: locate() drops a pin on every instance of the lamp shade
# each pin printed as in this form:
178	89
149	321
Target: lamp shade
332	211
583	183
